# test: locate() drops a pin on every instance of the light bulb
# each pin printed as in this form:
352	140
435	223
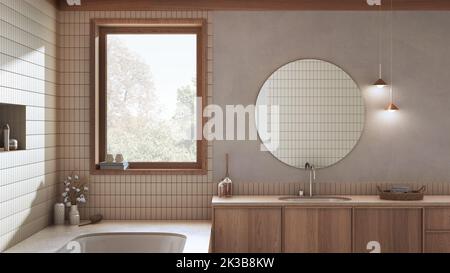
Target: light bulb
380	84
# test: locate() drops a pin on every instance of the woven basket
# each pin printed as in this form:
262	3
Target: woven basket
402	196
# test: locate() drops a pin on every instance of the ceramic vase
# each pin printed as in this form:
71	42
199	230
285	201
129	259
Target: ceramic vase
59	212
109	158
74	215
119	158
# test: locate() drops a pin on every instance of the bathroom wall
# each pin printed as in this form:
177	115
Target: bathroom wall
125	196
409	146
28	77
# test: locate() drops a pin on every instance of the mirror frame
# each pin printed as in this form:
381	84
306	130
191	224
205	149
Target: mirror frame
364	113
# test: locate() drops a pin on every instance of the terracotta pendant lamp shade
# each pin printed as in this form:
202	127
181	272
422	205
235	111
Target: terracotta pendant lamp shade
380	83
392	107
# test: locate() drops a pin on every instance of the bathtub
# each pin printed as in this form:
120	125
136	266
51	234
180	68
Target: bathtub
121	236
126	242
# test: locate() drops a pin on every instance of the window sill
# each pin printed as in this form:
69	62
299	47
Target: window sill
150	172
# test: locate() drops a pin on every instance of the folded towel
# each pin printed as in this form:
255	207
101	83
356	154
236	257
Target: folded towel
400	189
114	165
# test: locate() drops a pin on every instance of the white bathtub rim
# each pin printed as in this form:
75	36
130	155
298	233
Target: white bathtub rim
93	234
124	233
53	238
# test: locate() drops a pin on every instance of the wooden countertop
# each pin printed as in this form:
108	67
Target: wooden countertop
356	200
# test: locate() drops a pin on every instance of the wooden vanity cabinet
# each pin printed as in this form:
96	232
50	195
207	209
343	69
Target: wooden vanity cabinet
241	230
398	230
308	229
317	230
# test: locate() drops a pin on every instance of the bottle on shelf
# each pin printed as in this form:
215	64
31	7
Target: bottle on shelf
6	132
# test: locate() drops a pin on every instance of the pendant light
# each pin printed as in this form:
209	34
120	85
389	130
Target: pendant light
391	107
380	83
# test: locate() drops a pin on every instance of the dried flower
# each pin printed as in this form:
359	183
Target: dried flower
74	191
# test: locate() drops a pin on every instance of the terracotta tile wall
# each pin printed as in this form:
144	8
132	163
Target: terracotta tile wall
120	197
160	196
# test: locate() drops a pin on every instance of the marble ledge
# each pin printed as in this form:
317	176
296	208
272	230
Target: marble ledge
356	201
52	238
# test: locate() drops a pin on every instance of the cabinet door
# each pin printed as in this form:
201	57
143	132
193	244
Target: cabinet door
317	230
437	219
250	230
396	230
437	242
437	230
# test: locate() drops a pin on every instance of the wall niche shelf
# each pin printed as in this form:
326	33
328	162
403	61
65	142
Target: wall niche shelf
15	116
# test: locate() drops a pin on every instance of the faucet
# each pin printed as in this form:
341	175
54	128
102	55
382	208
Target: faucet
312	176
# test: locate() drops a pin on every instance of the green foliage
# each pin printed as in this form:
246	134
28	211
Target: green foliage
135	126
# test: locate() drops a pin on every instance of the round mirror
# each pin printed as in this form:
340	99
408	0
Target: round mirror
310	111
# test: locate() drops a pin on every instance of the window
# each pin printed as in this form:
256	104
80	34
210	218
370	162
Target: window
149	82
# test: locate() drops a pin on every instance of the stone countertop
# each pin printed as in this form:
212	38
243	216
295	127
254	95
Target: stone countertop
52	238
356	200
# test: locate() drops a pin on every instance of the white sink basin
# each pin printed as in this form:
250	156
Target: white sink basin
316	198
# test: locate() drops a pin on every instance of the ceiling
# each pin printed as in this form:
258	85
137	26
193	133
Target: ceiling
251	5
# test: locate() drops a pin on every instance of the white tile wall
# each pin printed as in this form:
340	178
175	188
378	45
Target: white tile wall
28	73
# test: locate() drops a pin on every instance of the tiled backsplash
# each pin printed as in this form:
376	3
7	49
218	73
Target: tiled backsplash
28	72
363	188
148	198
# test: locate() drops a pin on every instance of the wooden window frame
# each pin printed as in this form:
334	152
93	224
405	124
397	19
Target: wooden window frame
100	28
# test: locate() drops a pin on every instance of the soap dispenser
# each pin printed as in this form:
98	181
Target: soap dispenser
225	187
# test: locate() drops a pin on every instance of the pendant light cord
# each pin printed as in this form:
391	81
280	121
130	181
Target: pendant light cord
391	53
379	41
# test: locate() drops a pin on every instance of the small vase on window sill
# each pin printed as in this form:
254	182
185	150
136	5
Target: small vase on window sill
119	158
109	158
